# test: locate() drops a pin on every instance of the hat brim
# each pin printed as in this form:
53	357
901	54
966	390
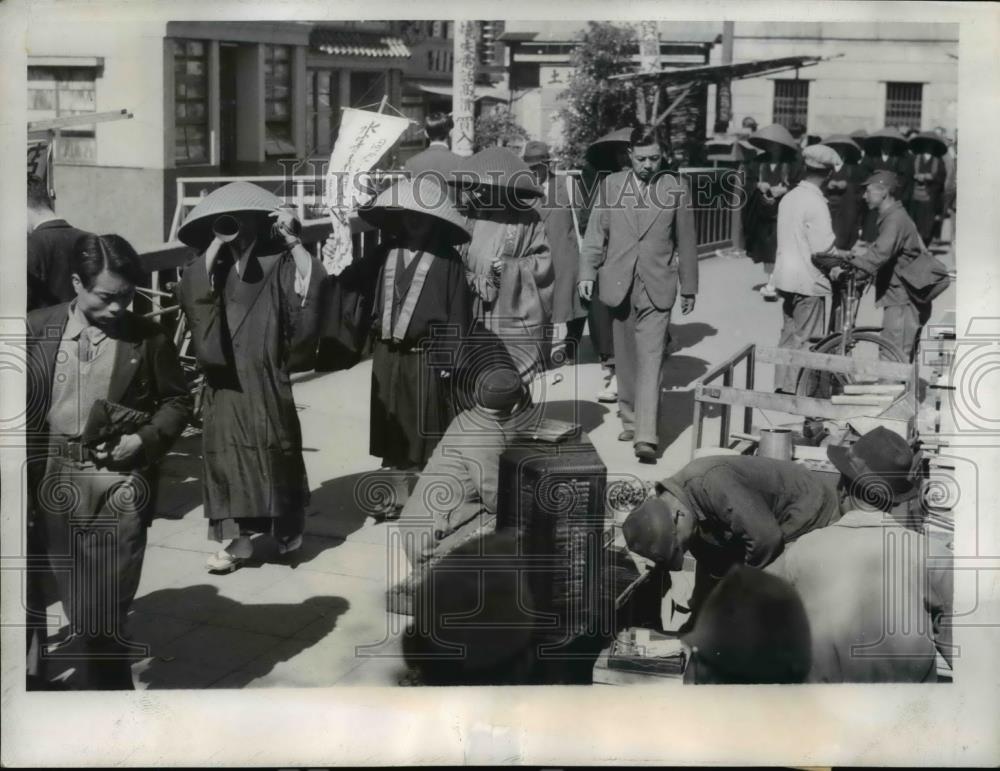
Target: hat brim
523	190
936	147
843	461
767	145
873	144
197	232
390	218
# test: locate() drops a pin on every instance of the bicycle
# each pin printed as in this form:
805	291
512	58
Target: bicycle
862	343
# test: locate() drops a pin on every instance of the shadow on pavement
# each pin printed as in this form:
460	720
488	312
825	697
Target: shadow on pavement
180	486
588	414
687	335
231	644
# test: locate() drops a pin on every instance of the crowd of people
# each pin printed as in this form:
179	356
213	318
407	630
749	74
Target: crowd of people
487	272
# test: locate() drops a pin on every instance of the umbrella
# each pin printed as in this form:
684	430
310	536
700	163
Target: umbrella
601	153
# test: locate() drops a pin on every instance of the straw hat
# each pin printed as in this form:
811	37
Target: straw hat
424	195
928	142
773	136
599	153
845	146
236	198
497	167
873	142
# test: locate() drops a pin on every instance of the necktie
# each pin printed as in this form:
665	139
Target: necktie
90	339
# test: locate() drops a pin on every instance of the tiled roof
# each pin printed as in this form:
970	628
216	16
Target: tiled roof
351	43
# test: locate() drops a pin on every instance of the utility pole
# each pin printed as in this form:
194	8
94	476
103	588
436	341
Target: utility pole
724	91
649	61
463	89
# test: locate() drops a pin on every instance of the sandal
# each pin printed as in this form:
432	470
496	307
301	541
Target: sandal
223	562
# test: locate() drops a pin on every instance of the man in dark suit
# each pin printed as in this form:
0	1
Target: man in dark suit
90	502
50	245
640	244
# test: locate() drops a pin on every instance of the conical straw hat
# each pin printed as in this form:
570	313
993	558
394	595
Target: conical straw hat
775	135
242	198
847	147
928	142
873	142
499	168
599	153
424	195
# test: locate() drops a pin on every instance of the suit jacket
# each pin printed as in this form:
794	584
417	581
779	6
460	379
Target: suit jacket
146	376
657	240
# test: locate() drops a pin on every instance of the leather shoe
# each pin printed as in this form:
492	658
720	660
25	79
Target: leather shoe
645	451
626	436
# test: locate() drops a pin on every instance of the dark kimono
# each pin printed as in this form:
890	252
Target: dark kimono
761	213
927	195
843	195
249	334
423	312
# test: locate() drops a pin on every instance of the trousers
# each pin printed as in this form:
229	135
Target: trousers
640	334
96	541
803	317
901	325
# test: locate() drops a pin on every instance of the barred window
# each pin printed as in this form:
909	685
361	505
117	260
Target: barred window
323	110
904	104
55	92
191	102
278	100
791	102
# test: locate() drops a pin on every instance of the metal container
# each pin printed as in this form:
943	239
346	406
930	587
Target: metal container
775	443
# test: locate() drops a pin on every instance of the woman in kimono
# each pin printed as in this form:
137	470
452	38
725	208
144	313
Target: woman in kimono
422	315
768	180
251	301
886	150
508	261
929	174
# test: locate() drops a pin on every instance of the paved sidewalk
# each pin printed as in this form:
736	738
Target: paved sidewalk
319	619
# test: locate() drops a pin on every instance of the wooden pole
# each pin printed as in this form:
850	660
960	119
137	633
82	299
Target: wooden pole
649	61
463	104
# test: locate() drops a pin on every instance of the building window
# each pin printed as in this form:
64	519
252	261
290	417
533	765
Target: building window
437	29
55	92
278	100
367	88
791	102
904	104
323	110
191	102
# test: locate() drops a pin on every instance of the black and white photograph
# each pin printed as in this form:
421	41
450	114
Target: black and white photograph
460	362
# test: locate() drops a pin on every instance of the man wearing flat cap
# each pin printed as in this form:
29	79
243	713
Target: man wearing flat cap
897	246
878	596
728	510
805	234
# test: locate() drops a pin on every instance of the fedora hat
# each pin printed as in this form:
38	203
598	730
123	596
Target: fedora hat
536	152
752	628
881	461
600	152
236	198
498	167
775	135
873	142
845	146
423	195
928	142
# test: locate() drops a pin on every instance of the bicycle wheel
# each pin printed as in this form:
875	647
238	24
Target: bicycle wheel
866	346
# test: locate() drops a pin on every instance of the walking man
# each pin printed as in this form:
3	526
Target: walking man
640	244
109	401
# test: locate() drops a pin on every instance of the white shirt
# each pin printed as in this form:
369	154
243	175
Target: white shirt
804	229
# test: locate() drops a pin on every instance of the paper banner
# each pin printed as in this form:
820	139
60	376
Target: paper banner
364	137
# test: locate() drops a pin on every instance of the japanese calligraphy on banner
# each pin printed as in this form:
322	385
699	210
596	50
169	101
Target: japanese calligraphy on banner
364	137
40	161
